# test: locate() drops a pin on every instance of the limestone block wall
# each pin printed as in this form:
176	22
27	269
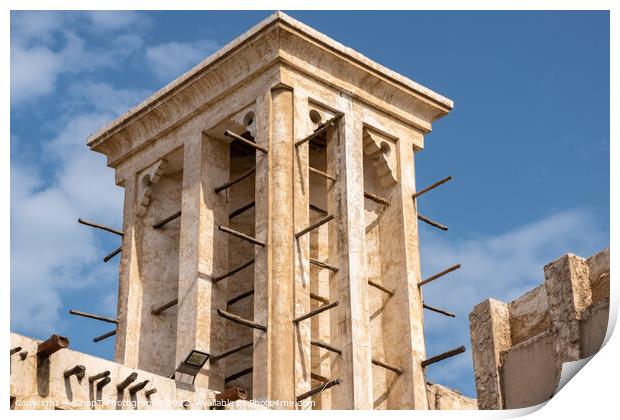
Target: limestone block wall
519	347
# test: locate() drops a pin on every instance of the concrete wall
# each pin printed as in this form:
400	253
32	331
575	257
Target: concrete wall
519	347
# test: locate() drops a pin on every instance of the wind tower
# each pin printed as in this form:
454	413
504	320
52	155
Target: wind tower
270	221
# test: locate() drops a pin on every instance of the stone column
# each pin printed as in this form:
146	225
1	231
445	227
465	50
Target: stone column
350	320
274	270
569	295
203	254
301	209
403	317
489	325
129	306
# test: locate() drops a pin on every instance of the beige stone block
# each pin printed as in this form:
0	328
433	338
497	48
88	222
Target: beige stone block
598	265
529	315
443	398
569	294
490	336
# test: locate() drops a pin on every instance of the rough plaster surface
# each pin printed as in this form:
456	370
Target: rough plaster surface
490	336
350	321
530	372
27	387
36	384
529	315
593	328
568	292
599	276
443	398
565	319
158	252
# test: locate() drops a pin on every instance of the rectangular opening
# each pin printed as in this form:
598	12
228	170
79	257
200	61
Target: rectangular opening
240	197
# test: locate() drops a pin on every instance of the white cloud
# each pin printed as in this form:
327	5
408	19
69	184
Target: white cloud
507	264
168	61
36	25
43	49
501	266
112	20
33	72
102	97
50	252
46	46
40	268
52	255
42	26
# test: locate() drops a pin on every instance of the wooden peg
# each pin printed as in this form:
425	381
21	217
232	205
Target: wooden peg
52	345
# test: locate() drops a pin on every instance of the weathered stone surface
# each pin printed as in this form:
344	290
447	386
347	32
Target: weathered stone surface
557	322
203	255
350	321
568	292
39	385
598	265
490	336
280	273
443	398
529	315
302	286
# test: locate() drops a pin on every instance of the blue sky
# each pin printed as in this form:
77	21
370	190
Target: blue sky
527	143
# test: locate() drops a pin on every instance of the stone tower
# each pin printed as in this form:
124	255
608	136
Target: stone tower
269	221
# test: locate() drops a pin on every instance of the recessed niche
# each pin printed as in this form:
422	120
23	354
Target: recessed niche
248	119
315	116
385	148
